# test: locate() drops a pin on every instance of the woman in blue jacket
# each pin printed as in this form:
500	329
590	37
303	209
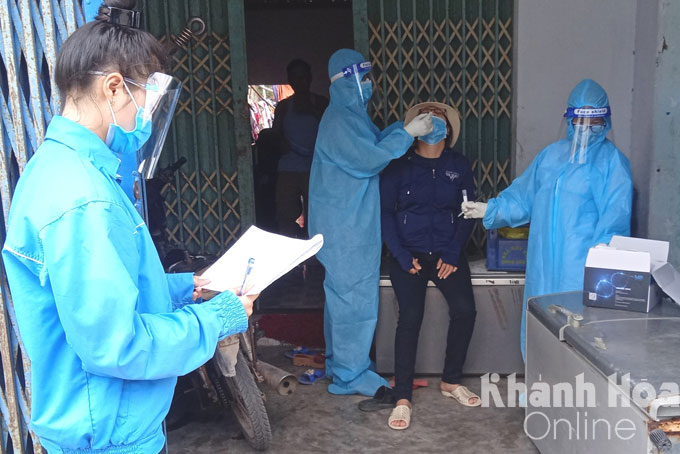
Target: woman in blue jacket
106	330
420	198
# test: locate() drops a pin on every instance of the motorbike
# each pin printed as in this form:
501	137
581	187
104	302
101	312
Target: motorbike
228	381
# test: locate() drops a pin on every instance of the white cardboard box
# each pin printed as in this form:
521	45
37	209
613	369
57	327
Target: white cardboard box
629	274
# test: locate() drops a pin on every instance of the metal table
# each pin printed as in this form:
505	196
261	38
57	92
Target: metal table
618	361
495	343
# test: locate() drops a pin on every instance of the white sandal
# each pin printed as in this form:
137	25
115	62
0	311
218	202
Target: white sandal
463	395
400	413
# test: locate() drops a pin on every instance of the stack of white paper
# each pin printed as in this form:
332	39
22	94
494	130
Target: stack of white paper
274	255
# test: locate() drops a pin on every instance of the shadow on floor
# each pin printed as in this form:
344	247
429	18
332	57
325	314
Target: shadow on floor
313	421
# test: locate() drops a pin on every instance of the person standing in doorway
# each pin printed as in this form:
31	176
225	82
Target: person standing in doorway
296	121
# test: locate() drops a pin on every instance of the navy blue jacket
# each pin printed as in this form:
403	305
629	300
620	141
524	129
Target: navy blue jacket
420	201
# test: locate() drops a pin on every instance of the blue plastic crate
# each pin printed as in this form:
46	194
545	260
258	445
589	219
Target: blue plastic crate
503	254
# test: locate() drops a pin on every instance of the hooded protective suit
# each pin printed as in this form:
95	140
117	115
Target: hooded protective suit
344	206
572	204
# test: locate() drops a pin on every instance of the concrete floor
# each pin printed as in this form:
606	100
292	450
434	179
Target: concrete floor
313	421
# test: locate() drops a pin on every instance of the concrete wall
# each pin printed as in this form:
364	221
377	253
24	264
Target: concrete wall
642	128
276	36
557	44
664	181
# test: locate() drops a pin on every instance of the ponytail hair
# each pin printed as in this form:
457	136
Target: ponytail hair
108	45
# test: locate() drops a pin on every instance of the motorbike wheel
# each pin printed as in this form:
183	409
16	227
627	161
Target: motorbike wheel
248	406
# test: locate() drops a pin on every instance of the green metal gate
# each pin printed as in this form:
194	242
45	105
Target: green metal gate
453	51
211	200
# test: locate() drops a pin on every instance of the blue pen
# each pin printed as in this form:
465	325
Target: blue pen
249	269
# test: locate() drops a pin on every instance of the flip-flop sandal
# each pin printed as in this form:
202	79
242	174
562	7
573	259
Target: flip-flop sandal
382	399
400	413
311	376
463	395
300	350
417	383
317	361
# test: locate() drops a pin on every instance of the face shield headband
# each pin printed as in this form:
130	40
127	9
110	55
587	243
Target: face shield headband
587	112
357	72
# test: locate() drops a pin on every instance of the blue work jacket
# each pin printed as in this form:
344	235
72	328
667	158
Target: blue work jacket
420	201
106	330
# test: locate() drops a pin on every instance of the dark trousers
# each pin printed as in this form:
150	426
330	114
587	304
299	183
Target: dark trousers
290	187
410	292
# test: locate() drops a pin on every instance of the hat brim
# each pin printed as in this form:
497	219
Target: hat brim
452	116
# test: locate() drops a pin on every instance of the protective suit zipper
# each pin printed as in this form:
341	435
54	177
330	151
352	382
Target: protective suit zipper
554	213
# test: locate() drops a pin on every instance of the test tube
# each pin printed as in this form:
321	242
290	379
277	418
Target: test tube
465	199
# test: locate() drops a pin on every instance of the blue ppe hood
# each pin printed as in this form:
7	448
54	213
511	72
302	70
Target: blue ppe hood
588	93
345	90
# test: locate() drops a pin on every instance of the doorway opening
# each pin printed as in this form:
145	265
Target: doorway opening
279	33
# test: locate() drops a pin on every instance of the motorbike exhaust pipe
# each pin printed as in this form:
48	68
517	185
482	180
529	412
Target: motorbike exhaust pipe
280	380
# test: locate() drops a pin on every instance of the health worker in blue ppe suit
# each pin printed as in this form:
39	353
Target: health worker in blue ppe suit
576	193
344	206
106	330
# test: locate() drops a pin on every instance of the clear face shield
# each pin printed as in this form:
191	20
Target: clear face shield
139	148
589	126
153	122
361	73
162	94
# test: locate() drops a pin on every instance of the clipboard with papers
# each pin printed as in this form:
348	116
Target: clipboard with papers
261	257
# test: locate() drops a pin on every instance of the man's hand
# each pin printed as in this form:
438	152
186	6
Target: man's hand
445	270
198	287
416	267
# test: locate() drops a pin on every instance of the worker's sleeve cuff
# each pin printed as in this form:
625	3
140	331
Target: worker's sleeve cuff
490	215
388	130
451	257
181	288
231	312
405	260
